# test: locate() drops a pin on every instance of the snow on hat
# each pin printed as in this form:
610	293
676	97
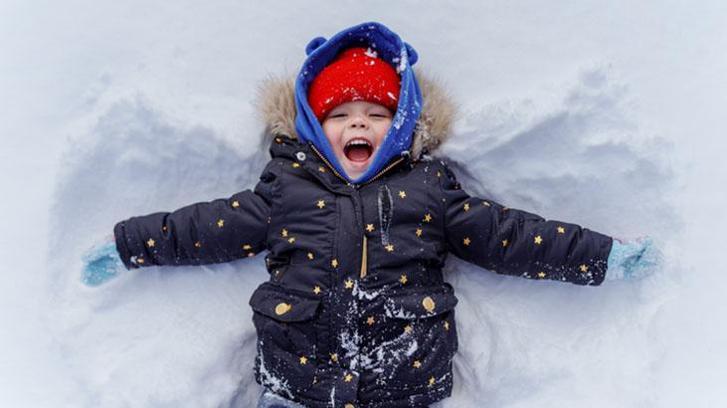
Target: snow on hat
356	74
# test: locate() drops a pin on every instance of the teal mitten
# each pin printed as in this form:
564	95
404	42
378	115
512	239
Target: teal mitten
102	263
632	259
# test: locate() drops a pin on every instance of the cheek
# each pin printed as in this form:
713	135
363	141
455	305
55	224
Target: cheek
381	130
332	133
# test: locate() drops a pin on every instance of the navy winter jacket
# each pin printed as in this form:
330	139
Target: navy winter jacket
356	310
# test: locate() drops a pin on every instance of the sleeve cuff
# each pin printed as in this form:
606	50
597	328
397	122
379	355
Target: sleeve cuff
121	247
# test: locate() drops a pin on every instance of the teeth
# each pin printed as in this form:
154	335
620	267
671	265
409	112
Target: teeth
358	142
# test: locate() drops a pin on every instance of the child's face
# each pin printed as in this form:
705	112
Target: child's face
355	130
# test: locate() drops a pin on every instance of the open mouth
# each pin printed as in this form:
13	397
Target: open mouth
358	150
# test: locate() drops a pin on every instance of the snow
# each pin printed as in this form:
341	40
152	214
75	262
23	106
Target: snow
606	115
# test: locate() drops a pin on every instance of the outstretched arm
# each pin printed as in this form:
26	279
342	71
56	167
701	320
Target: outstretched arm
209	232
515	242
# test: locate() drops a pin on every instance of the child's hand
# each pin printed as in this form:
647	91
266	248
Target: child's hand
633	259
102	263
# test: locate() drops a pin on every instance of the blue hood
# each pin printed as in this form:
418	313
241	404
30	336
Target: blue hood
389	47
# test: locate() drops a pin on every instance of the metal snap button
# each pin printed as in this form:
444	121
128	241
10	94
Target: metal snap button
300	156
428	304
282	308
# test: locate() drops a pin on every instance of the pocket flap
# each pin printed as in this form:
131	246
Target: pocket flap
282	304
420	303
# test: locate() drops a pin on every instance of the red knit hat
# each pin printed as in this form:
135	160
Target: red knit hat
356	74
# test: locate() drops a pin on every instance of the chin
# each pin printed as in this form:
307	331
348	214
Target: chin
355	171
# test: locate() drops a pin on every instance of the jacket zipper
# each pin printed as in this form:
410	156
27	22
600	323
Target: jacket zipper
348	183
376	177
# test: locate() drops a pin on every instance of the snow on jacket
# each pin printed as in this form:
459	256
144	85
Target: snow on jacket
356	310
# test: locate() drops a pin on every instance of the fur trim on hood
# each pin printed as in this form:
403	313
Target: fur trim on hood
276	106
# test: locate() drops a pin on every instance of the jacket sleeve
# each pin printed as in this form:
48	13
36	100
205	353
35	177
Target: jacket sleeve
515	242
221	230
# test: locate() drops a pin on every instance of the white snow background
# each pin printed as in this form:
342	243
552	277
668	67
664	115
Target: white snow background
607	114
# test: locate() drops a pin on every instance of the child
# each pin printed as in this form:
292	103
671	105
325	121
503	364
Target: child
358	220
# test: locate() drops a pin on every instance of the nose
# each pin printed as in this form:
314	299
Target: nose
358	121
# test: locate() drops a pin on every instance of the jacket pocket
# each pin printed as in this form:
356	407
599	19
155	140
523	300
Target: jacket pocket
426	340
420	303
286	344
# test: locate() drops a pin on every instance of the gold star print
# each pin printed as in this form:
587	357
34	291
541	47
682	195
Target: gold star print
235	204
334	357
321	204
284	232
150	243
561	230
348	378
334	263
278	140
321	169
198	244
584	268
402	194
538	240
407	328
427	217
431	381
390	247
370	321
370	227
504	242
446	325
466	241
251	254
220	223
466	206
140	260
246	247
310	255
303	360
541	274
348	284
419	232
439	174
291	240
295	165
416	364
403	279
317	290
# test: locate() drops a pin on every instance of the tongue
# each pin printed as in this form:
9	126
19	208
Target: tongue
358	153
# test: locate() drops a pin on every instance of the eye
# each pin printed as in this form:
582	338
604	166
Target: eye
337	115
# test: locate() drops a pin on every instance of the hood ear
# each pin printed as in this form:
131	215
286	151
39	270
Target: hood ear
275	104
314	44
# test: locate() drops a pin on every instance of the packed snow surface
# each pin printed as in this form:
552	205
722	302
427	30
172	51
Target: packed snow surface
603	114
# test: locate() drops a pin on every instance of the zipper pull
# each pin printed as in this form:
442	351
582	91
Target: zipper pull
363	258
